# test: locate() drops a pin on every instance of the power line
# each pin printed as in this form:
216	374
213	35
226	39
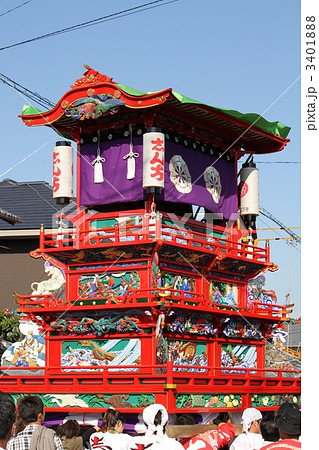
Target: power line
275	239
280	228
277	162
293	240
266	213
30	94
117	15
16	7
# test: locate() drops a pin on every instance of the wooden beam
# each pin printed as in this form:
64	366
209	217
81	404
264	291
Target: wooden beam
188	431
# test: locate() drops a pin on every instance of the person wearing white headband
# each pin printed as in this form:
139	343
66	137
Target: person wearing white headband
155	418
250	439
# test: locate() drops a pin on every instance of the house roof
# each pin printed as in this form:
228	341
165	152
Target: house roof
294	335
8	217
30	201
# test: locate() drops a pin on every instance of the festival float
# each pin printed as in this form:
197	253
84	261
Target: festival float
155	289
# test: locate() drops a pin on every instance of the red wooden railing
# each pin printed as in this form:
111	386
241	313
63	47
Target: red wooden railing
202	240
137	298
144	378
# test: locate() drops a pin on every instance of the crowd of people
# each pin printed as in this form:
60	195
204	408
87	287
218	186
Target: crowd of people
23	430
282	430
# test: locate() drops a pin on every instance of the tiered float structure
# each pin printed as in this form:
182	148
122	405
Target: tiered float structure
164	297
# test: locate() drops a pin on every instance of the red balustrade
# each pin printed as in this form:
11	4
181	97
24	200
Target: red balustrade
145	378
137	298
202	240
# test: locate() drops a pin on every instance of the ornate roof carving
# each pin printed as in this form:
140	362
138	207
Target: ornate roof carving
91	76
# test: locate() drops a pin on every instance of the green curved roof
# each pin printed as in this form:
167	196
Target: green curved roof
276	128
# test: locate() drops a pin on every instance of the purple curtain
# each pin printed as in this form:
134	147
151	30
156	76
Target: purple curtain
185	178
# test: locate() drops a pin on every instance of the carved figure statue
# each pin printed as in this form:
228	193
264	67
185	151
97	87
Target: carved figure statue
26	352
52	284
66	400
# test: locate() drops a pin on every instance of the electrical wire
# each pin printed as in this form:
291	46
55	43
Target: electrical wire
267	214
16	7
32	95
277	162
293	243
117	15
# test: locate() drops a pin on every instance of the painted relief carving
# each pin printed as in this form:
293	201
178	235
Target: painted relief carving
268	400
238	356
188	354
111	286
175	283
93	107
236	328
91	76
111	352
257	293
110	323
55	284
29	352
88	400
192	324
223	293
208	401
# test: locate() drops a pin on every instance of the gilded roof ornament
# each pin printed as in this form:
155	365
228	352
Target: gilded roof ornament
91	76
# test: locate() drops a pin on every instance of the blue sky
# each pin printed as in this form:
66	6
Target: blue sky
237	55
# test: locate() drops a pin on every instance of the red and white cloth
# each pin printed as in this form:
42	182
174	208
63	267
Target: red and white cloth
212	439
290	444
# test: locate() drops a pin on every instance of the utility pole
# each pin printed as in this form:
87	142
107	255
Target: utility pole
293	241
290	277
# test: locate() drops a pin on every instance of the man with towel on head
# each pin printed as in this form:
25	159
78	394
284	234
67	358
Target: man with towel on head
250	439
155	418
